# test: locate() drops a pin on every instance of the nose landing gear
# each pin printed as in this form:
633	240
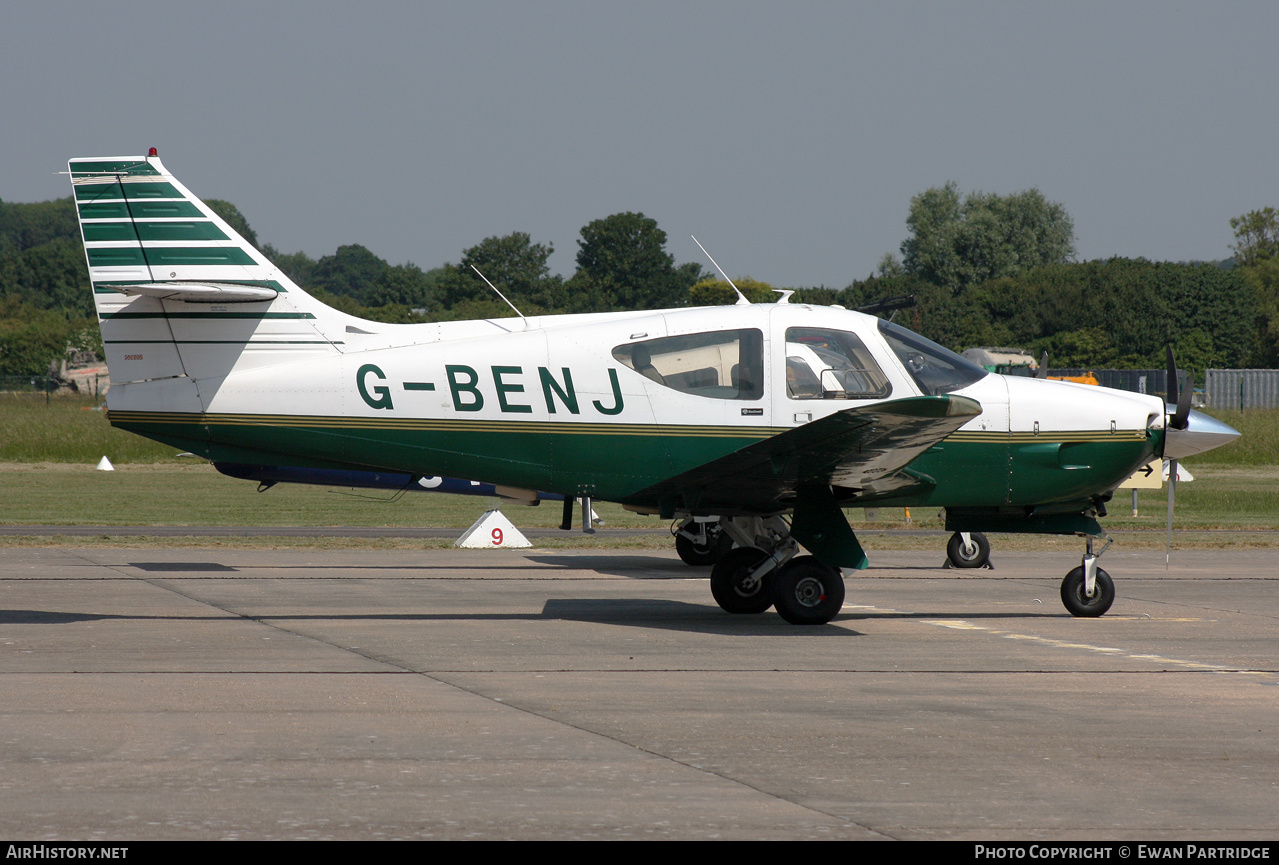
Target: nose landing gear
968	550
1088	591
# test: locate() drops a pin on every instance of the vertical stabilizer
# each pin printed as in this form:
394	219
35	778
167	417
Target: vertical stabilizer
179	294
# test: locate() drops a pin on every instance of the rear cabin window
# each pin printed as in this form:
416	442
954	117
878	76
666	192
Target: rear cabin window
724	364
831	364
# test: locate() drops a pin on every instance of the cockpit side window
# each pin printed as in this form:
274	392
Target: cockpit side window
724	364
831	364
935	369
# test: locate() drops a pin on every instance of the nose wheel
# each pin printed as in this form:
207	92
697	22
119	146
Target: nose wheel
1088	591
1075	596
968	550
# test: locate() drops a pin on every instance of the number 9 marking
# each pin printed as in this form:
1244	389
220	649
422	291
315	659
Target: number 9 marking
497	537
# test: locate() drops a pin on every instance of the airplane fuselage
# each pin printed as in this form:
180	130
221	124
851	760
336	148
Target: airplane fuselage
554	404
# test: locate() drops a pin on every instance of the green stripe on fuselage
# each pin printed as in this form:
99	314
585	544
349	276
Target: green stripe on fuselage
567	457
521	455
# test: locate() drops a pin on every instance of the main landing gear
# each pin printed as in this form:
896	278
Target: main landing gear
765	571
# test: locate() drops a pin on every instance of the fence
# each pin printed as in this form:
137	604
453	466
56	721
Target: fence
93	382
27	384
1222	388
1242	388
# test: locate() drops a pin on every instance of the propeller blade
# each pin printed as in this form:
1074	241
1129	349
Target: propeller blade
1172	496
1043	367
1181	419
1178	396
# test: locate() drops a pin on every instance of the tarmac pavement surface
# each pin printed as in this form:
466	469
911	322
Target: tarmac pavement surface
552	694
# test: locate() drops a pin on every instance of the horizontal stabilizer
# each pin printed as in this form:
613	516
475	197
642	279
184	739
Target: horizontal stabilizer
197	292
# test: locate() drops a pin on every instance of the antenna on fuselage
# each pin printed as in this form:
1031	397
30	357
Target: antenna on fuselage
741	298
499	294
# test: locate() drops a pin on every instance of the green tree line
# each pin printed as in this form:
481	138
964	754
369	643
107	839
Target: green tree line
991	270
985	269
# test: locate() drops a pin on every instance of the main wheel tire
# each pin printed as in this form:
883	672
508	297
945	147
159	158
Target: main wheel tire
975	555
717	544
729	581
1079	604
807	592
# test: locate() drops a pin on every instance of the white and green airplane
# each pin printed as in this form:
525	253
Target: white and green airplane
772	417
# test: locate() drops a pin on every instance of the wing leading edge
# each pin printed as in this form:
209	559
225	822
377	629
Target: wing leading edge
860	450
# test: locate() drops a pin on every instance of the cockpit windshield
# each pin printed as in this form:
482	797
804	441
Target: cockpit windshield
935	369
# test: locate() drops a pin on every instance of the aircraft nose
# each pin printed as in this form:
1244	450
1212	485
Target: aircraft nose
1202	433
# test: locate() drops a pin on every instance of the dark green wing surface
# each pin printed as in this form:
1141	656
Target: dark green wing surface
861	450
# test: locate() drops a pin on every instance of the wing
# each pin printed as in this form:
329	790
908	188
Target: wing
861	449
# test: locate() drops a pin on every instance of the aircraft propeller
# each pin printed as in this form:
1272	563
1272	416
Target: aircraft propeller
1178	419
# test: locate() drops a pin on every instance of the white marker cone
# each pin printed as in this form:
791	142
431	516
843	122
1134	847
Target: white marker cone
104	465
492	531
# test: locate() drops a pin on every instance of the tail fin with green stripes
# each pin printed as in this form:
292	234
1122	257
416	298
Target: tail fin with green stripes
179	294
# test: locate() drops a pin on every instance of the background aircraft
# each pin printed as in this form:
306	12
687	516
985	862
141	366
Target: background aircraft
770	416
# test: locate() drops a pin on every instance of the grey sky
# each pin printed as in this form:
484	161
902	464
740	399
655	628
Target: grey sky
788	137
